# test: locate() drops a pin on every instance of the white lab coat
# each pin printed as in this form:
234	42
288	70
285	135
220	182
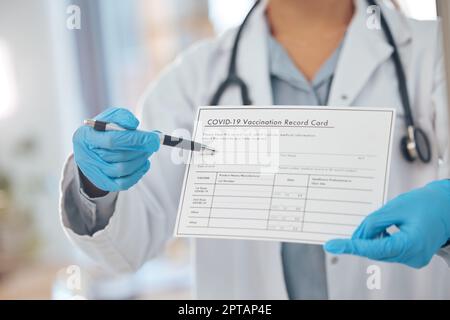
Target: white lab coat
144	216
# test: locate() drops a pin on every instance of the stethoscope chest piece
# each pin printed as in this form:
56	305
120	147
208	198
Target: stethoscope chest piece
416	145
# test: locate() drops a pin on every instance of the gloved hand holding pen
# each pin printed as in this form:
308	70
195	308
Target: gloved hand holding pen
114	160
423	219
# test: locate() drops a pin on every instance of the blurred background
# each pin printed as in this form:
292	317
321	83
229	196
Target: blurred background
52	76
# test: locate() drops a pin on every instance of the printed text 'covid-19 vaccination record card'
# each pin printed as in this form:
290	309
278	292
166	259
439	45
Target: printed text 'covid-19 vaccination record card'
301	174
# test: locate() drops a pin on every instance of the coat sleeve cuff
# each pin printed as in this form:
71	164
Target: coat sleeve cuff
80	213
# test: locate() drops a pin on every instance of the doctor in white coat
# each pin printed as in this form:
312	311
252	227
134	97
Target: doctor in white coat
142	210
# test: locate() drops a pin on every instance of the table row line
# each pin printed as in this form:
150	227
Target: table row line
274	179
282	216
290	205
278	192
270	225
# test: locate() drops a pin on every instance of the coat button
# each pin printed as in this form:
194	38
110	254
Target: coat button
334	260
344	97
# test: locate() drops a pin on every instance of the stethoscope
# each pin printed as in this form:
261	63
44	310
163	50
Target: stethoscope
414	144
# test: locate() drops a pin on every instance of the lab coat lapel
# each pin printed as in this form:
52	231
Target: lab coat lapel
363	51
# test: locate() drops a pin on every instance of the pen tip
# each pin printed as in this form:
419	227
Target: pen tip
209	150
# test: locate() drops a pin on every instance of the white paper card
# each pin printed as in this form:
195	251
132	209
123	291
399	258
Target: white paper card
301	174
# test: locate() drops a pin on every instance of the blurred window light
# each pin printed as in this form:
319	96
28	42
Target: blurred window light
225	14
8	93
419	9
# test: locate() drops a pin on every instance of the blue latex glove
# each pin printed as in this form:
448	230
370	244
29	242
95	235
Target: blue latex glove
114	160
423	219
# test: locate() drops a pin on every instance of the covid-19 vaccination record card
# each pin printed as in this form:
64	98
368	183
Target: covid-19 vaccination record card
300	174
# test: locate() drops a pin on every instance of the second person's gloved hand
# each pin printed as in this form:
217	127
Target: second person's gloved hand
114	160
423	219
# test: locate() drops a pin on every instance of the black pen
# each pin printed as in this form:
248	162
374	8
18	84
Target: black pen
164	139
